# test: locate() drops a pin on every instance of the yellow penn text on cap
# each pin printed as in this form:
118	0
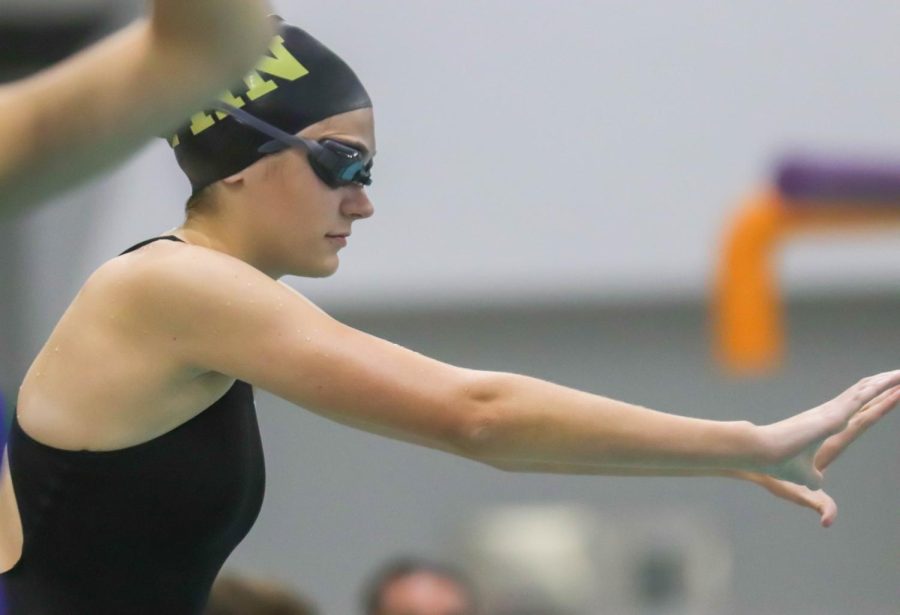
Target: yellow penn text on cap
282	64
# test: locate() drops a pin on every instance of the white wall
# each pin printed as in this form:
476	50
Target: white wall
594	149
533	147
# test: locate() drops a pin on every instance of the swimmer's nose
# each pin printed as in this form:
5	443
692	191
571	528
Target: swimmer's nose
357	204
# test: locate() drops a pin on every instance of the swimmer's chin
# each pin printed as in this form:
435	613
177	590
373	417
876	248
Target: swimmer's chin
324	271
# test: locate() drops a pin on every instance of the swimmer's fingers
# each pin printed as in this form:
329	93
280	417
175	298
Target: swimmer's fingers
870	414
817	500
858	396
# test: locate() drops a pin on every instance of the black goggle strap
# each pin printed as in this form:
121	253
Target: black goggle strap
267	129
344	163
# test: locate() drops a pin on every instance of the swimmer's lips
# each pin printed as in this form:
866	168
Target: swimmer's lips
339	238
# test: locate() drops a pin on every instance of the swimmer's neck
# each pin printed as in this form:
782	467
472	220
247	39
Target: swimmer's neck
216	234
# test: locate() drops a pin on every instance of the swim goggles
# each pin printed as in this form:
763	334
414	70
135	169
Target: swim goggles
335	163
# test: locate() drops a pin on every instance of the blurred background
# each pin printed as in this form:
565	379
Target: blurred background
552	187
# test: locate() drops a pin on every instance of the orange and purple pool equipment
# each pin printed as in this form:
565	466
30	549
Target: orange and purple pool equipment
810	195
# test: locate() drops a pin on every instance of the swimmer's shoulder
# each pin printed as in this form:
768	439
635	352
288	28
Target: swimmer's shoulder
170	282
165	271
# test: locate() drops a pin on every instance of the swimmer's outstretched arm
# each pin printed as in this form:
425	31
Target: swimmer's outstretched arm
817	500
232	319
90	111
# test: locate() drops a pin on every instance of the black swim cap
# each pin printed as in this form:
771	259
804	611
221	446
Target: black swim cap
299	83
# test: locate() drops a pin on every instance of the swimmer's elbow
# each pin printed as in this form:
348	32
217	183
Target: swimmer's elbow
483	421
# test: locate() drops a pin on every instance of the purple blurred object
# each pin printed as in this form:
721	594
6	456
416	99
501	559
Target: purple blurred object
812	180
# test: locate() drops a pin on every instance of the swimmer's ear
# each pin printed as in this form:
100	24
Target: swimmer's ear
234	180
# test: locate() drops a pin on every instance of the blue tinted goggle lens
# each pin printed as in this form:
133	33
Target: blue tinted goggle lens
342	164
351	172
336	164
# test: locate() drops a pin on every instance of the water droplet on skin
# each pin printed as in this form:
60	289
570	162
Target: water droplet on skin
56	349
308	339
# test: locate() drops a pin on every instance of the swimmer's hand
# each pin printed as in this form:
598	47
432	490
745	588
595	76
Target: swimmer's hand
818	500
870	414
791	447
830	450
76	119
228	36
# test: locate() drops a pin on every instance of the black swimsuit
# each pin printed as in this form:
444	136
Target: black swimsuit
137	531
